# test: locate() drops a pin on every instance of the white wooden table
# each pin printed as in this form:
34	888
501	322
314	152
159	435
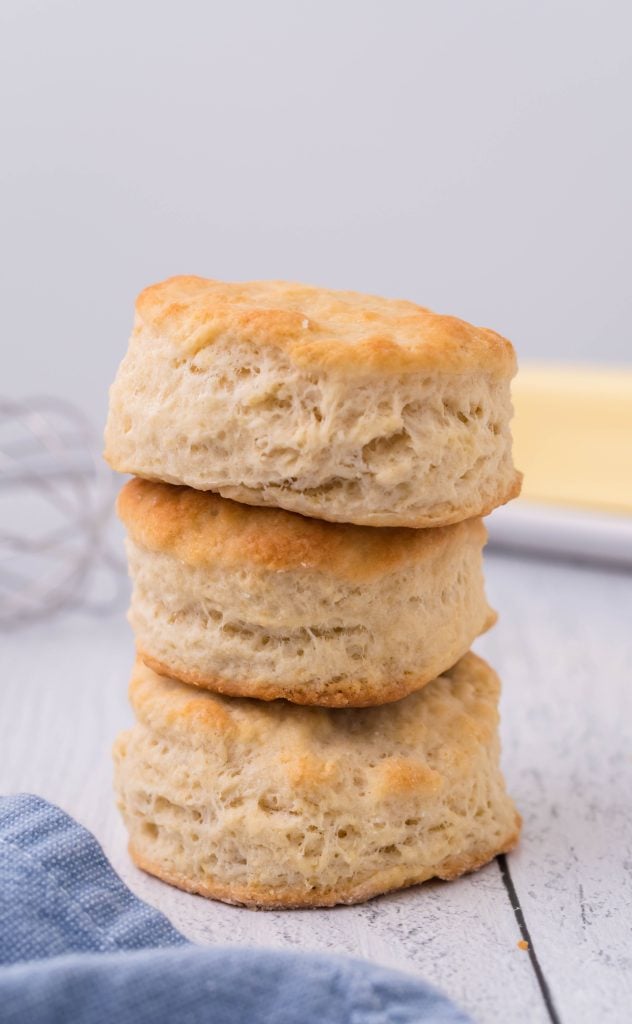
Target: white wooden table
563	647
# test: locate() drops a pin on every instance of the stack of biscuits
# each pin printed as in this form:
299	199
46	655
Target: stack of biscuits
304	537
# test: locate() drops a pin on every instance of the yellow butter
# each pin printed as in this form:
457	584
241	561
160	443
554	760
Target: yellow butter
573	435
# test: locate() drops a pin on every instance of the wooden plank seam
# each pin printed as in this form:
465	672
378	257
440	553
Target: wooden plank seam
508	882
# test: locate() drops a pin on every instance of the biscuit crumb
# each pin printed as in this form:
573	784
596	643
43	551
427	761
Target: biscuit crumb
523	944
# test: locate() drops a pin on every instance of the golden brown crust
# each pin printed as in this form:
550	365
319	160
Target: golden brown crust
318	327
267	898
201	528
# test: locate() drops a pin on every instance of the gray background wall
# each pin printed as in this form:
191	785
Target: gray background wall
472	155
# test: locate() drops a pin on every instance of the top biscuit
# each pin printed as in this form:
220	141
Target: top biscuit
337	405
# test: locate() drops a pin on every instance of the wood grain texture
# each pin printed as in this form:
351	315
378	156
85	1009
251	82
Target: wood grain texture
563	648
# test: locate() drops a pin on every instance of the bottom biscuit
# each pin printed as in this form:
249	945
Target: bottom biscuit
261	898
278	806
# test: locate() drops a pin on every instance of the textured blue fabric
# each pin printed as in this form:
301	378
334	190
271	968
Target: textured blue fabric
58	893
77	946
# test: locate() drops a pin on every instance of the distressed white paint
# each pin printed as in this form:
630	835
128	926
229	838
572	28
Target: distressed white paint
564	645
564	650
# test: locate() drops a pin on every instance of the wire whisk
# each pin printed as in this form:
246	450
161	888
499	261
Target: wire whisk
56	499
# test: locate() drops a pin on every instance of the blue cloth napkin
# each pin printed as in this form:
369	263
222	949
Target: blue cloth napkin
77	946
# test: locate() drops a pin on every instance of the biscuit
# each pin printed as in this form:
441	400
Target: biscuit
337	405
259	602
271	805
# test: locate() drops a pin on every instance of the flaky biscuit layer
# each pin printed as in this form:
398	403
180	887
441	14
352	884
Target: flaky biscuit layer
263	603
274	805
377	413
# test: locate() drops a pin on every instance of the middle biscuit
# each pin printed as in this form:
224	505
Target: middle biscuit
259	602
